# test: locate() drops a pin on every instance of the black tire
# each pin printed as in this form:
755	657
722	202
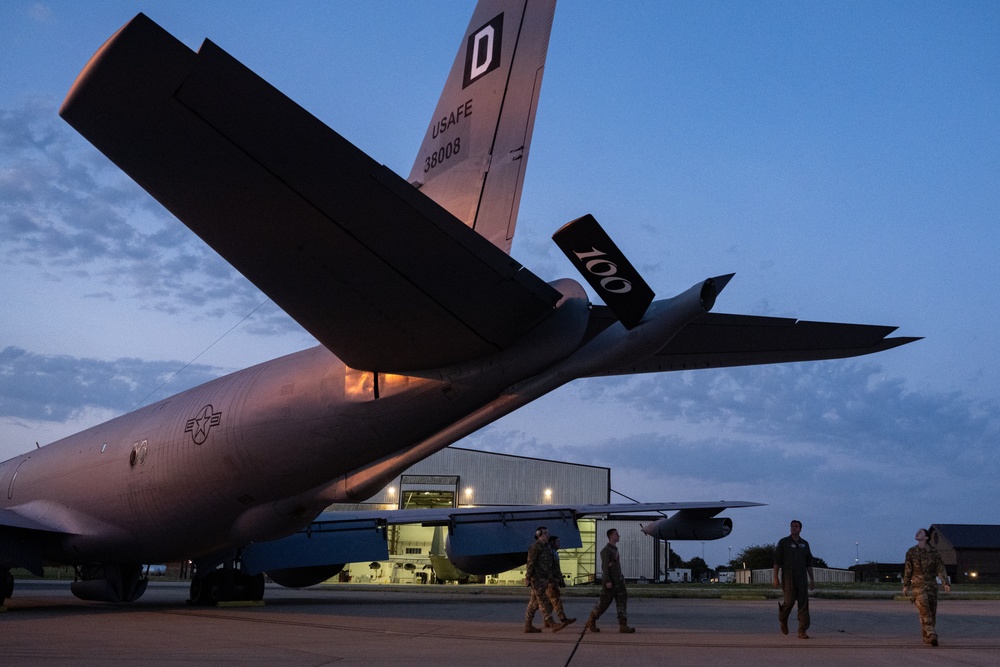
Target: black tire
6	585
205	590
253	587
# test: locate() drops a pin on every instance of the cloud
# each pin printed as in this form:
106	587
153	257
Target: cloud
66	211
41	13
841	444
845	411
60	388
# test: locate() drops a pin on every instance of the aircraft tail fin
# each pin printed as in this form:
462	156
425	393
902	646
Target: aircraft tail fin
473	157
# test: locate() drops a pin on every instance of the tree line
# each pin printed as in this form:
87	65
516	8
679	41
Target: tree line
754	557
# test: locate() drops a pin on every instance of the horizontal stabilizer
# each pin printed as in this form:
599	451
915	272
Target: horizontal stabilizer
605	268
718	340
379	273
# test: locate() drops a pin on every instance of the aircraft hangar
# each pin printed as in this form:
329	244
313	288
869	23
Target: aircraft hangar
456	477
971	552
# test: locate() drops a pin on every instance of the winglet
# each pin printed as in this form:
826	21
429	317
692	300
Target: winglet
608	271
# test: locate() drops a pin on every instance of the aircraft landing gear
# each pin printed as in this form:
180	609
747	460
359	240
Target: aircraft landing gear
6	585
226	584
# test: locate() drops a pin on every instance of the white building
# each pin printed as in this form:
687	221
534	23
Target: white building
456	477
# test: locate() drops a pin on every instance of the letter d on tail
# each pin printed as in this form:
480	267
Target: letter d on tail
482	54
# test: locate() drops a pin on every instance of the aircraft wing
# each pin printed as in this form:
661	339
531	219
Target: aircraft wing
28	529
379	273
716	340
443	516
349	537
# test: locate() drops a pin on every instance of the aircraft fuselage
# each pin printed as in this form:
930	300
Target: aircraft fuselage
222	452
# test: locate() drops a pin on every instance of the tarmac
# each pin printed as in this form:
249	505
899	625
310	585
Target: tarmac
348	625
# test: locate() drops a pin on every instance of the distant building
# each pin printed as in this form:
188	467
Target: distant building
971	552
457	477
823	575
884	573
678	576
726	576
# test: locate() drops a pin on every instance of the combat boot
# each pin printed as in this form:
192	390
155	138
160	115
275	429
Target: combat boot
592	624
557	626
567	621
530	627
625	628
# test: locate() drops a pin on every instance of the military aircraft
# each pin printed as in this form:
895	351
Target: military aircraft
428	329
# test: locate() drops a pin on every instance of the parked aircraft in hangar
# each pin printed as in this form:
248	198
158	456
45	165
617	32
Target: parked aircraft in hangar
428	329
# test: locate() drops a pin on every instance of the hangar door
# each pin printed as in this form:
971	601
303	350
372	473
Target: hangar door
416	543
427	491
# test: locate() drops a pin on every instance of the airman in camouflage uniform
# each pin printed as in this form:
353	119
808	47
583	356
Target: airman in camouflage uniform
538	576
614	586
552	590
922	569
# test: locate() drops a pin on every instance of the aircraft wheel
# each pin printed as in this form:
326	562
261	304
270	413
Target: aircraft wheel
243	588
6	585
253	587
216	586
205	590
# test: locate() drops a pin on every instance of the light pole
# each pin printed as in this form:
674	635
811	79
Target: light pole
856	554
